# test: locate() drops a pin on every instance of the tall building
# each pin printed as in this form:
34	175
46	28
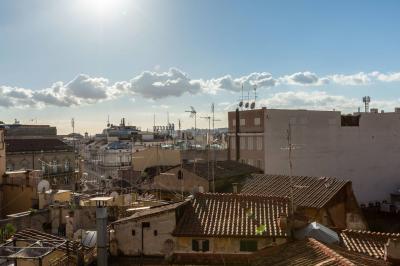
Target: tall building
362	147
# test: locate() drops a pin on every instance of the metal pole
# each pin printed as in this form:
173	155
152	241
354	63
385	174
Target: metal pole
101	221
290	168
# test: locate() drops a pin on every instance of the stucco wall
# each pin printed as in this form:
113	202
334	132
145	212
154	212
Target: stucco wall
366	154
130	245
153	157
170	181
222	244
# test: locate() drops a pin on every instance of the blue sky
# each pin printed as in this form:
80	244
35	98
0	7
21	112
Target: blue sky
86	58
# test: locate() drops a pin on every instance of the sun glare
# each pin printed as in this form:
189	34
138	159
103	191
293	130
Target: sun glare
102	8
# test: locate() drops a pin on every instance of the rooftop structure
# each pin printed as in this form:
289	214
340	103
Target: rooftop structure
232	215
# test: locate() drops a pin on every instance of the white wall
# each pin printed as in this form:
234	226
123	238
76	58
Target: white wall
367	155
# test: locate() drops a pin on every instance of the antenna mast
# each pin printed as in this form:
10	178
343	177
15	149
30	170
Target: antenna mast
366	101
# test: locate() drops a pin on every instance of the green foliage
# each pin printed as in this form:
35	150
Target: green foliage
9	229
261	229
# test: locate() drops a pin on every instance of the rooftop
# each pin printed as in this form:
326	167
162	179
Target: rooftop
311	252
232	215
366	242
36	144
308	191
223	169
146	211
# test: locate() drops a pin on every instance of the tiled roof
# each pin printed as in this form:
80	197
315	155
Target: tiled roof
233	215
366	242
308	191
35	235
211	258
311	252
39	144
222	169
151	211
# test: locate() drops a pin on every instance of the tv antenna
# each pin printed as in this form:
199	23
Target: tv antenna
241	100
193	114
253	104
290	147
366	101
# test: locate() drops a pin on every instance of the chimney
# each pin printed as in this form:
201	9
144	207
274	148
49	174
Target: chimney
235	188
392	251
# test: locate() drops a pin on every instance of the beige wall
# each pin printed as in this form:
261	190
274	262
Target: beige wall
153	157
367	155
222	244
169	181
130	245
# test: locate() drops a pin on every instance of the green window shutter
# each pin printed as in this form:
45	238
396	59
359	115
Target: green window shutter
195	245
206	245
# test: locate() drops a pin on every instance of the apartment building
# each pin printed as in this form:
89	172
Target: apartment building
362	147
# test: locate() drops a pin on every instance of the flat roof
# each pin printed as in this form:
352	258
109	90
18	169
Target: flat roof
101	198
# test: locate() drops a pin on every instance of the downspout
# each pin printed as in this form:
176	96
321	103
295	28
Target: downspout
237	140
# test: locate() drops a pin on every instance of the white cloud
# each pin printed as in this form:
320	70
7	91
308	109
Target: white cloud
320	100
153	85
303	78
360	78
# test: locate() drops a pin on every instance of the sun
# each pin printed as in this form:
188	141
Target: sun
102	8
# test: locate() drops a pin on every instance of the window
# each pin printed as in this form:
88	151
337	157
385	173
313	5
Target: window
180	175
259	143
250	146
200	245
242	143
155	232
242	122
350	120
259	164
234	122
257	121
133	232
67	165
55	166
248	245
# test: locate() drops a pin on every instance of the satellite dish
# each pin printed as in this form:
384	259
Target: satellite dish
253	104
43	186
128	199
114	194
246	105
241	104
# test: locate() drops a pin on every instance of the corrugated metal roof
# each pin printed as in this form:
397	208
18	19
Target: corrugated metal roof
308	191
214	214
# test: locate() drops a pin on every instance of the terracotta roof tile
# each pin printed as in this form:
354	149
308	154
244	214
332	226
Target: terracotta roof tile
236	215
308	191
311	252
366	242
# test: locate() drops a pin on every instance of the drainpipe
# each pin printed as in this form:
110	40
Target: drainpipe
237	140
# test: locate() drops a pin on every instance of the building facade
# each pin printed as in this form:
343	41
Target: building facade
52	156
362	147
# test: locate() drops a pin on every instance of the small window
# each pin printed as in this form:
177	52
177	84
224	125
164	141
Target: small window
133	232
155	232
180	174
248	245
242	122
257	121
200	245
234	122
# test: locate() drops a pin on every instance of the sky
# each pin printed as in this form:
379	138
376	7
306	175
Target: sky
140	59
